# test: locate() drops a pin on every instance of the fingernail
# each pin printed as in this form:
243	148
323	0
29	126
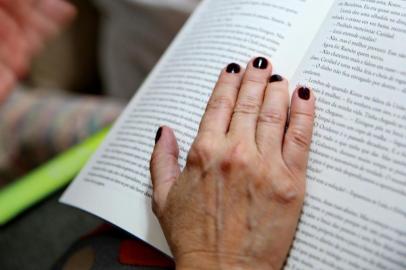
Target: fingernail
275	78
304	93
260	63
158	135
233	68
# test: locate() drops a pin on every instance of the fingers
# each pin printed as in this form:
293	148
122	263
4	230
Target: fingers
38	20
60	12
25	26
12	48
164	167
299	134
250	98
51	16
7	81
220	107
22	13
273	116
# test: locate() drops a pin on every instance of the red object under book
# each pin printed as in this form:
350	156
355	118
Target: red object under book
137	253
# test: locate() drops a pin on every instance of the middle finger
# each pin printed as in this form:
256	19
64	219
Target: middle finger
250	98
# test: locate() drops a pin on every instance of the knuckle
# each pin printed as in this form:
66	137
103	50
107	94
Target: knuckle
305	117
286	192
238	157
220	103
241	161
247	105
200	153
300	138
272	117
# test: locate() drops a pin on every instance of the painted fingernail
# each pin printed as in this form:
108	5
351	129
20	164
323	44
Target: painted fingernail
158	135
260	63
275	78
233	68
304	93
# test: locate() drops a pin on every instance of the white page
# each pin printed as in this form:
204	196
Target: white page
115	185
355	212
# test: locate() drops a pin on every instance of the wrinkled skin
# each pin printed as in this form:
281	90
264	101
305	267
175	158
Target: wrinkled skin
237	203
25	26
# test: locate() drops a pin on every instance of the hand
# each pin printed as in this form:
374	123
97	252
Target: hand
25	25
237	203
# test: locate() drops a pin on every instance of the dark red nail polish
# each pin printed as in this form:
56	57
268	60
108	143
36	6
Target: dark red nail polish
304	93
233	68
275	78
158	135
260	63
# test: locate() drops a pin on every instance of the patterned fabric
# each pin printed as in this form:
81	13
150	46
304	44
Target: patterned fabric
35	127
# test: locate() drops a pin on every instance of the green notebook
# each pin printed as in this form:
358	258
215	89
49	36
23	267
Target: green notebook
48	178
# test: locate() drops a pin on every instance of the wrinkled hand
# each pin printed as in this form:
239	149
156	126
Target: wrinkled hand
237	203
25	25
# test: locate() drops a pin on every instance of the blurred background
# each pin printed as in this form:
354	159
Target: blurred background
78	84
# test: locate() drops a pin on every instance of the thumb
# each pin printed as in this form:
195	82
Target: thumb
164	167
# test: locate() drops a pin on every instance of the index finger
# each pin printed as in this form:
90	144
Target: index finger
220	107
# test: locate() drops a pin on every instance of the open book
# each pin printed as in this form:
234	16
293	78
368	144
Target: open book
352	53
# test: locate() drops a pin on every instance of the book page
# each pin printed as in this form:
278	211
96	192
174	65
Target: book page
355	211
116	183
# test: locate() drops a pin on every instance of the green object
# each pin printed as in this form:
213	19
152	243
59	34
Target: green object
55	174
